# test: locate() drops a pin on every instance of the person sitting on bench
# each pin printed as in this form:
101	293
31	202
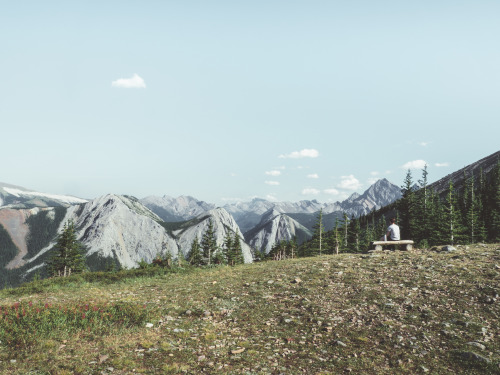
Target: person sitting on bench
393	233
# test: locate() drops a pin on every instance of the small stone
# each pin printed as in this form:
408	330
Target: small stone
149	325
207	313
424	369
297	280
473	357
188	312
448	248
270	282
201	358
237	351
340	343
13	361
477	345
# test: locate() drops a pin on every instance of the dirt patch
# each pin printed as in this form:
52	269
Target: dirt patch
14	222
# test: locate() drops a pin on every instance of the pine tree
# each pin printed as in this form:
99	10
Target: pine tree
195	256
318	233
67	257
421	211
345	226
228	249
452	216
237	251
208	242
406	206
337	240
494	216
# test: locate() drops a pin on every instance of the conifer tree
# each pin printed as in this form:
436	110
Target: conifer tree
195	256
237	251
421	217
406	206
318	234
208	242
452	216
345	225
494	217
337	240
67	256
228	248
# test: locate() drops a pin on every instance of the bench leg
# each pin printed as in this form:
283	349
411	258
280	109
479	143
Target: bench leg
409	246
378	247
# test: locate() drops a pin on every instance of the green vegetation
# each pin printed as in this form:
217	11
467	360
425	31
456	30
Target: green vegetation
387	312
67	255
465	216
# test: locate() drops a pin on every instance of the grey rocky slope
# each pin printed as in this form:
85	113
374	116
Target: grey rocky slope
223	224
273	228
117	228
171	209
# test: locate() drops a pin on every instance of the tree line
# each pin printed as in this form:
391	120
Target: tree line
457	216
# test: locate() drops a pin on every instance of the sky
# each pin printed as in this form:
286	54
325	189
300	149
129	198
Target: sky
226	101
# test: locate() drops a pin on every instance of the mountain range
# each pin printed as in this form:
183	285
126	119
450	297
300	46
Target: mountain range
125	230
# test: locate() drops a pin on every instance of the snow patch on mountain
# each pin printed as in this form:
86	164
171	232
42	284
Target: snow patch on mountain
29	194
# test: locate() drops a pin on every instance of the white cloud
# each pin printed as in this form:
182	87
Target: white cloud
273	183
305	153
423	144
415	164
349	183
273	173
374	173
271	197
446	164
310	191
313	175
331	191
135	82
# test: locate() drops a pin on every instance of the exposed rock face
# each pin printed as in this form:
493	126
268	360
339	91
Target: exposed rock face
275	227
18	197
171	209
223	224
121	227
380	194
249	214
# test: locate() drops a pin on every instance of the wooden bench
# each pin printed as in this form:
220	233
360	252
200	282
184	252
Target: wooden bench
378	244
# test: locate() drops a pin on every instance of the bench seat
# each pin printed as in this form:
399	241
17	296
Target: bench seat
408	244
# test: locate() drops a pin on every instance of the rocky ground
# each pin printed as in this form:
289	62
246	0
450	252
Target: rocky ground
433	311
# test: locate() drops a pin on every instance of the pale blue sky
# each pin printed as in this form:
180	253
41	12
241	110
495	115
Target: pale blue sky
288	100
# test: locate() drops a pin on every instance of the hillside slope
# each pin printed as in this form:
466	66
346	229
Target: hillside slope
413	312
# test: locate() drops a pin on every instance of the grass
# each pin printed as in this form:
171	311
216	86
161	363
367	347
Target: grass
381	313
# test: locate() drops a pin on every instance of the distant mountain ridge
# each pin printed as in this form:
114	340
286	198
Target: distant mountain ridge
18	197
485	164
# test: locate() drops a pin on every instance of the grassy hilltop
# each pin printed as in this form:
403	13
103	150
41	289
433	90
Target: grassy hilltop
416	312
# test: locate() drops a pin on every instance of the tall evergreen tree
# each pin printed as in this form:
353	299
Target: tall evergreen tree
67	256
318	234
208	242
406	207
494	216
195	256
237	252
452	216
